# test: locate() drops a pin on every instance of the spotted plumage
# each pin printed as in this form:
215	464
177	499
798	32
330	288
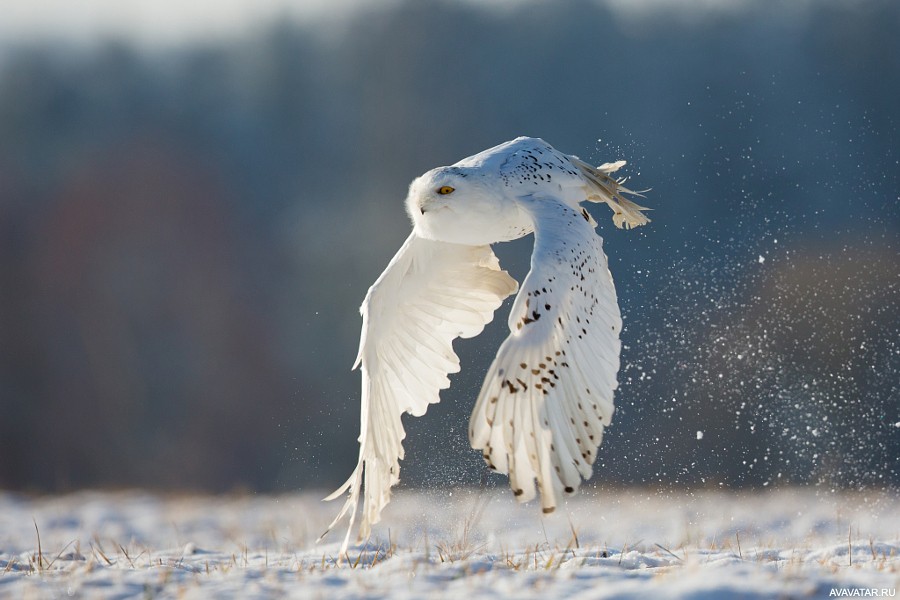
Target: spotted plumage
548	395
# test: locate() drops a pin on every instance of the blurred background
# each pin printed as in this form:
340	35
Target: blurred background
194	200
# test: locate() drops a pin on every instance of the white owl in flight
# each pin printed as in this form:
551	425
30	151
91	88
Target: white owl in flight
549	392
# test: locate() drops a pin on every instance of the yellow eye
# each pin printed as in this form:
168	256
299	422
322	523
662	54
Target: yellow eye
445	189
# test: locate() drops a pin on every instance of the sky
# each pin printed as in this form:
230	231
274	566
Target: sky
157	23
154	22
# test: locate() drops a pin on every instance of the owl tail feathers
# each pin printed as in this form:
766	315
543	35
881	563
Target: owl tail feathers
603	188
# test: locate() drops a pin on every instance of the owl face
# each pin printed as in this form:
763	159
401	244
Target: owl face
459	205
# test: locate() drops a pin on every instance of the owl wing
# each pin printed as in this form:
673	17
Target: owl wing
549	393
431	293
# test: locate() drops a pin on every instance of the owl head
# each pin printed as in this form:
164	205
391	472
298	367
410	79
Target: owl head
462	206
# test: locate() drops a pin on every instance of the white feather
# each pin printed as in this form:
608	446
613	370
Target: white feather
431	293
563	349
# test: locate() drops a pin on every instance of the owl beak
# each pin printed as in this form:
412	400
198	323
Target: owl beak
429	204
424	205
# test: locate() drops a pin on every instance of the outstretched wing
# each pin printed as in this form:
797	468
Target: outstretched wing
549	393
431	293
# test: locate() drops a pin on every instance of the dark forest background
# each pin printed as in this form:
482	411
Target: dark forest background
186	235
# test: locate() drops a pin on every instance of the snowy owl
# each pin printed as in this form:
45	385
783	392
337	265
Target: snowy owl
549	392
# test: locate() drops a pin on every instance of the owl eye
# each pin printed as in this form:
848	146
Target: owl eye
445	189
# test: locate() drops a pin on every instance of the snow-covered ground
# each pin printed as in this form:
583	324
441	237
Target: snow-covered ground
806	543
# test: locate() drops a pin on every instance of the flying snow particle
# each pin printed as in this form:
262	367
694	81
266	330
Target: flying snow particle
699	435
762	259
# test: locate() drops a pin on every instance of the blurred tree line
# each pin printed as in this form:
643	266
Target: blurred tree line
186	234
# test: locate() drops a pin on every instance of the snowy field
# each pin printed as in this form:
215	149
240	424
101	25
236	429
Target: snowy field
462	544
